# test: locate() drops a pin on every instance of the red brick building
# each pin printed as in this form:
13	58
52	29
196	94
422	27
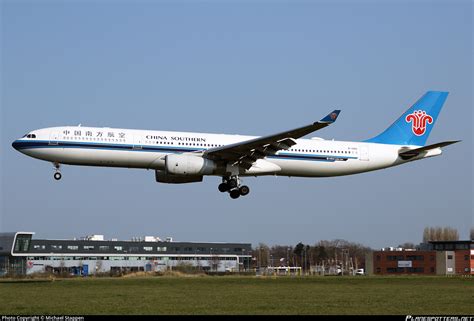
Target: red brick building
435	258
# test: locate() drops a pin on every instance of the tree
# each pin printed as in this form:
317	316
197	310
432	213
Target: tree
302	252
318	254
407	245
440	234
262	253
282	254
298	250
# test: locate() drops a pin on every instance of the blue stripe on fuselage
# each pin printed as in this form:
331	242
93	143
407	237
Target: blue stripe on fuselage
21	145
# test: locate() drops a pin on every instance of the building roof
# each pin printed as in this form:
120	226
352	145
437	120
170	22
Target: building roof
40	247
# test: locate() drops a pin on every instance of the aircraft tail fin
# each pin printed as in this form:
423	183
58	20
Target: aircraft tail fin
414	126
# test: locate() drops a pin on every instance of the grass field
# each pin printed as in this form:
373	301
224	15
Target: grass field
239	295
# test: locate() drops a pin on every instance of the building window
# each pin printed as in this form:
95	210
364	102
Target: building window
133	249
161	249
56	247
103	248
73	247
415	257
88	247
118	248
148	248
22	243
450	257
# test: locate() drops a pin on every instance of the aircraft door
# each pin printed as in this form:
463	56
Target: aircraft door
363	153
137	142
53	138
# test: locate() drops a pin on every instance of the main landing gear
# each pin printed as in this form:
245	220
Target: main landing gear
57	175
233	187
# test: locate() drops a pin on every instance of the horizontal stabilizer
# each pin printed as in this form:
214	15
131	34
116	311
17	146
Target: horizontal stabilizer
410	153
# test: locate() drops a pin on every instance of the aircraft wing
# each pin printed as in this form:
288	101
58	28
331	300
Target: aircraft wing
247	152
410	153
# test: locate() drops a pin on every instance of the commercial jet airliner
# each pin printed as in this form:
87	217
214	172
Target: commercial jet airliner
185	157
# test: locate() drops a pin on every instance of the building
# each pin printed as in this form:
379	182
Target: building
21	254
434	258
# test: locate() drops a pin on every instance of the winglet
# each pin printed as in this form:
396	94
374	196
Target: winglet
331	117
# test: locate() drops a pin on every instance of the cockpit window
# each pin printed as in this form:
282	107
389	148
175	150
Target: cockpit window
30	136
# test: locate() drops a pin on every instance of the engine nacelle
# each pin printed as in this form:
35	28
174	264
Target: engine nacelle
163	177
189	165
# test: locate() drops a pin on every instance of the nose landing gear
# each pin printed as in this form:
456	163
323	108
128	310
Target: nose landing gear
233	187
57	175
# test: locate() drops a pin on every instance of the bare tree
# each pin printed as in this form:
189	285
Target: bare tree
262	253
440	234
407	245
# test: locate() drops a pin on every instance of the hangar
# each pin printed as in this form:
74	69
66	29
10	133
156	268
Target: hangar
21	254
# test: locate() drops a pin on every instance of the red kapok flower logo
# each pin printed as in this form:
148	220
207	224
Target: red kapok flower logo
419	119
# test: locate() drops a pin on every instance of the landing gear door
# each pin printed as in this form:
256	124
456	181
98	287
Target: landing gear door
137	142
53	138
363	153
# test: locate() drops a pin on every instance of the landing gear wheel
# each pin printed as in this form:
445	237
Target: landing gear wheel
235	193
57	176
232	183
244	190
223	187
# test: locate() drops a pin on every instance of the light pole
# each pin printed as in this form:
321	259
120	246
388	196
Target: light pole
211	259
288	260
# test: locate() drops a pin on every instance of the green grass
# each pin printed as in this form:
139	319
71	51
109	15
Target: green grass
240	295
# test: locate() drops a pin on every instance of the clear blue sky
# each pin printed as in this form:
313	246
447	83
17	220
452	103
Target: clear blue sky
236	67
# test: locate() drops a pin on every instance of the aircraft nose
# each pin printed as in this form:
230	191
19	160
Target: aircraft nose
16	144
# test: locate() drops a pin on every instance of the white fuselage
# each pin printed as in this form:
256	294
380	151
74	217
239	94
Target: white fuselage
112	147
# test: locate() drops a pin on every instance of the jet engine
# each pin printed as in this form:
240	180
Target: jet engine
163	177
189	165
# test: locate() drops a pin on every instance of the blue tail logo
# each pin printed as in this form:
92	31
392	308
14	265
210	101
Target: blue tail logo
414	126
419	119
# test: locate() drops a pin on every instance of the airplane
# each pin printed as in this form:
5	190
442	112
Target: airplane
186	157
